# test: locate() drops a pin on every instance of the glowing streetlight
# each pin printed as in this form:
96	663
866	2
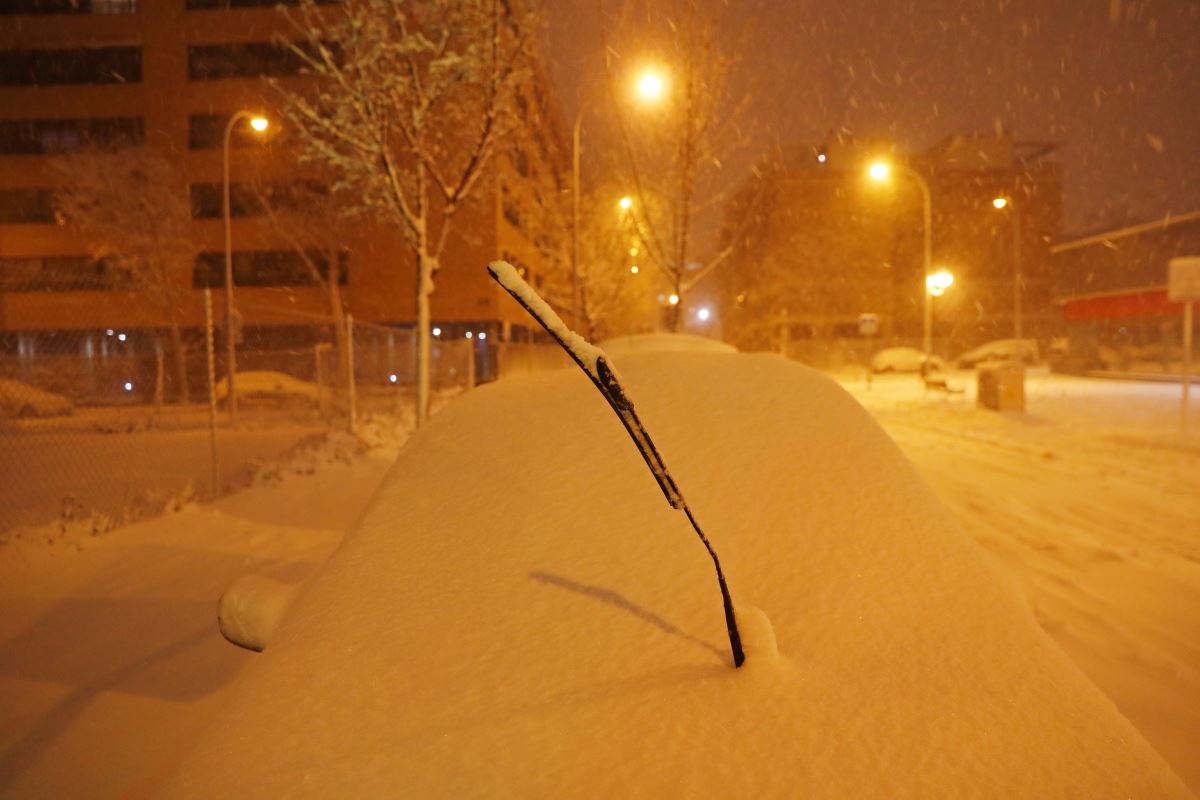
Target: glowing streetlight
625	203
703	314
258	123
1001	203
650	86
879	172
939	282
635	269
673	299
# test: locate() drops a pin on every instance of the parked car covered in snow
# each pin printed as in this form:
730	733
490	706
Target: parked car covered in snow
19	399
903	359
269	386
1023	350
519	613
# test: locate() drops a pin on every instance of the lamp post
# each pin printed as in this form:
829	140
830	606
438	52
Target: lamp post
936	285
258	123
879	171
650	86
1007	202
576	293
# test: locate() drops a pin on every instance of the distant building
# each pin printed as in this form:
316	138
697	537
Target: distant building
820	245
1112	292
169	74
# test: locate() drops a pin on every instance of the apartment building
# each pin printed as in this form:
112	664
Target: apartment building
168	74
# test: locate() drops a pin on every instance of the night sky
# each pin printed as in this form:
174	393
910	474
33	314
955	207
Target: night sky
1115	82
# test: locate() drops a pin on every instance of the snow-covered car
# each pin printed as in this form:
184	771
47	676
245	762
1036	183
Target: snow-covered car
663	343
1023	350
520	613
19	399
903	359
269	386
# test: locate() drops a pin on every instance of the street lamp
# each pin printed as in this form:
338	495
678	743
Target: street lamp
879	172
258	123
1001	203
650	86
939	282
936	285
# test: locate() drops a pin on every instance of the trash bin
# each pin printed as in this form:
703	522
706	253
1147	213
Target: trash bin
1001	386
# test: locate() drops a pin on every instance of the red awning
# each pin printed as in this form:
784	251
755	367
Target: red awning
1121	305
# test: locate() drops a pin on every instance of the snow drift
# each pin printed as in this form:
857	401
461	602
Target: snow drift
519	614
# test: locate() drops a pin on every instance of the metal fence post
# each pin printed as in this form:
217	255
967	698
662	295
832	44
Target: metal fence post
318	350
350	371
471	363
159	386
212	390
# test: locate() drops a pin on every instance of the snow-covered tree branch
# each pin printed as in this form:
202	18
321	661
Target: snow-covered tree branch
409	102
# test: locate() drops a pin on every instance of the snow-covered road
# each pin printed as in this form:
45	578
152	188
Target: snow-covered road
1092	500
114	472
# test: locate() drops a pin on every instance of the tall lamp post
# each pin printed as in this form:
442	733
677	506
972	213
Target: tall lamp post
880	171
1007	202
258	123
650	86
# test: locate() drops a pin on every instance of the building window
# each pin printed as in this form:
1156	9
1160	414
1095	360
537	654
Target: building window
62	274
511	211
71	66
49	136
210	62
247	200
69	7
266	268
26	206
203	5
521	162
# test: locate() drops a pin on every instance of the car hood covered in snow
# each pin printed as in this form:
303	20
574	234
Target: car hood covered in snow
520	614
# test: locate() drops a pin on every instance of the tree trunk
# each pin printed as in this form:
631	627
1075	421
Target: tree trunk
677	309
179	355
338	312
425	265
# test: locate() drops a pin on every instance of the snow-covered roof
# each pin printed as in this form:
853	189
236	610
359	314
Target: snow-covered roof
520	614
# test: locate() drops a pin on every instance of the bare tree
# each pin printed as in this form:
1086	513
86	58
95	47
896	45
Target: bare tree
133	206
678	153
304	214
616	276
411	100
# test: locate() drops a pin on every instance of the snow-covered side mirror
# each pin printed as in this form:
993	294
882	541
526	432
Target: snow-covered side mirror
251	609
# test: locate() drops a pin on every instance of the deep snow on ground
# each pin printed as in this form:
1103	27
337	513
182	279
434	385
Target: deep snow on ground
110	659
1092	499
519	613
110	662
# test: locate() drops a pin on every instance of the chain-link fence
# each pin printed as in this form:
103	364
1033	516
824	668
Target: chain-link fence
101	426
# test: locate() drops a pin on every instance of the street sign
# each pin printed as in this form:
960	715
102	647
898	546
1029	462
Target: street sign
1183	286
868	324
1183	279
